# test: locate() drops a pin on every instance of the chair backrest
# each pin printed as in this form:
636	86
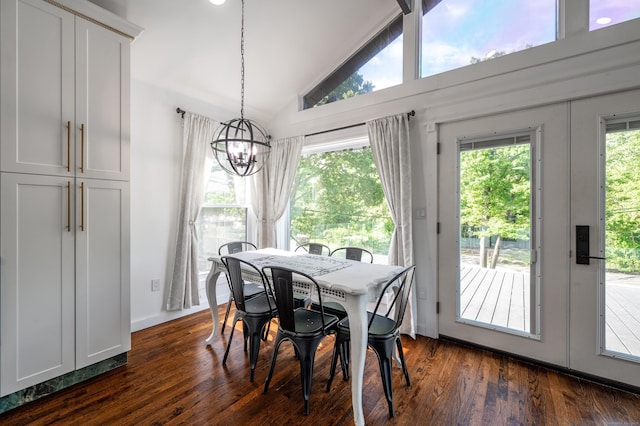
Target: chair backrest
315	248
236	247
282	286
401	284
353	253
236	283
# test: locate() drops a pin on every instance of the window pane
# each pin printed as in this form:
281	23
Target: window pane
385	69
622	236
216	226
604	13
375	66
223	216
456	33
337	200
224	188
495	234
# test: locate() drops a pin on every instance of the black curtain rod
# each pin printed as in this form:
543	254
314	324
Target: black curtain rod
409	115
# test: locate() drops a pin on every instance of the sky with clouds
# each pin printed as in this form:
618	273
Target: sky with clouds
455	31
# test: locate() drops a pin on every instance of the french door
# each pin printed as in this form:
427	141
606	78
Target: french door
513	169
580	282
605	227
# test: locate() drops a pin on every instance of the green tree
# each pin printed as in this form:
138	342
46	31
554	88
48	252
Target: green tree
352	86
495	195
494	54
623	201
341	193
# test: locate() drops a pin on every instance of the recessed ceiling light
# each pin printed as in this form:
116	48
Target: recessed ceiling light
217	2
603	21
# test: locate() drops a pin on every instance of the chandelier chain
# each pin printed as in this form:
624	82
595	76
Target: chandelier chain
242	63
241	146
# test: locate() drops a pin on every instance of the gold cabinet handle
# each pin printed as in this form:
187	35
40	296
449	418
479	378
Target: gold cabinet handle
68	146
82	148
68	206
82	206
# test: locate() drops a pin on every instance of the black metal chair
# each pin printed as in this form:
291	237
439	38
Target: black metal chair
250	289
383	334
304	328
315	248
256	313
236	247
353	253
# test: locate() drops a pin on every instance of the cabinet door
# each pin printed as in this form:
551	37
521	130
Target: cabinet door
37	275
102	103
103	323
37	86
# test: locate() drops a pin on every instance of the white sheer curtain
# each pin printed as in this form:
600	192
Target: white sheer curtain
271	187
391	148
183	286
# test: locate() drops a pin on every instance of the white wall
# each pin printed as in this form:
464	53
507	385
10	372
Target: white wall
156	156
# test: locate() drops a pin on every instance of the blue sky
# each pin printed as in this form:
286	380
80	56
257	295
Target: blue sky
456	30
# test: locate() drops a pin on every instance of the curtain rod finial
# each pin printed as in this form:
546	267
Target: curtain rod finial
180	111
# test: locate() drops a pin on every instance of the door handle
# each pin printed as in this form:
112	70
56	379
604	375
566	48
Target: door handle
582	246
69	206
82	148
68	146
82	206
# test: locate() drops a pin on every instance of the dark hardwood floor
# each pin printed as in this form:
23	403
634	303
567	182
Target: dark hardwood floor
173	378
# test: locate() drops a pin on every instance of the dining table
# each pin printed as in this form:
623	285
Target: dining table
352	284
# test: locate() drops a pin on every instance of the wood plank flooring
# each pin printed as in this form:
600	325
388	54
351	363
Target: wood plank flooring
173	379
495	296
503	298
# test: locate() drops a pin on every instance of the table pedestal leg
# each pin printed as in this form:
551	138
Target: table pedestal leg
356	307
212	281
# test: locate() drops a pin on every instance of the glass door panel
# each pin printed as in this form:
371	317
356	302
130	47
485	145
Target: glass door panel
622	237
495	232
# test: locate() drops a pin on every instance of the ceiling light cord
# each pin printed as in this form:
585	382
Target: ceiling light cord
242	62
241	146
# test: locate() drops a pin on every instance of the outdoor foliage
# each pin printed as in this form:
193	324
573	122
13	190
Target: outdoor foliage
352	86
337	199
495	194
623	201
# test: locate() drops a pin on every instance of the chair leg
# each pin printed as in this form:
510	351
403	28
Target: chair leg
384	351
342	342
307	356
226	352
254	326
226	313
334	361
345	358
404	364
245	333
276	346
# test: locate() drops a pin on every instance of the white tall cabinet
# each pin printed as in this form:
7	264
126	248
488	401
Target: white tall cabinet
64	189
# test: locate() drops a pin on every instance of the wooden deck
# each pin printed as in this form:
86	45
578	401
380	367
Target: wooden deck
495	297
502	298
623	313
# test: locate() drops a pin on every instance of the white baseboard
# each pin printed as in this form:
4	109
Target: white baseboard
165	316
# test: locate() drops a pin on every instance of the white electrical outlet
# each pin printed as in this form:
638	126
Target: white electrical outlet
155	285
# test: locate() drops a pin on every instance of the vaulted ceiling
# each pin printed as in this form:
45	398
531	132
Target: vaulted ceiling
193	48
